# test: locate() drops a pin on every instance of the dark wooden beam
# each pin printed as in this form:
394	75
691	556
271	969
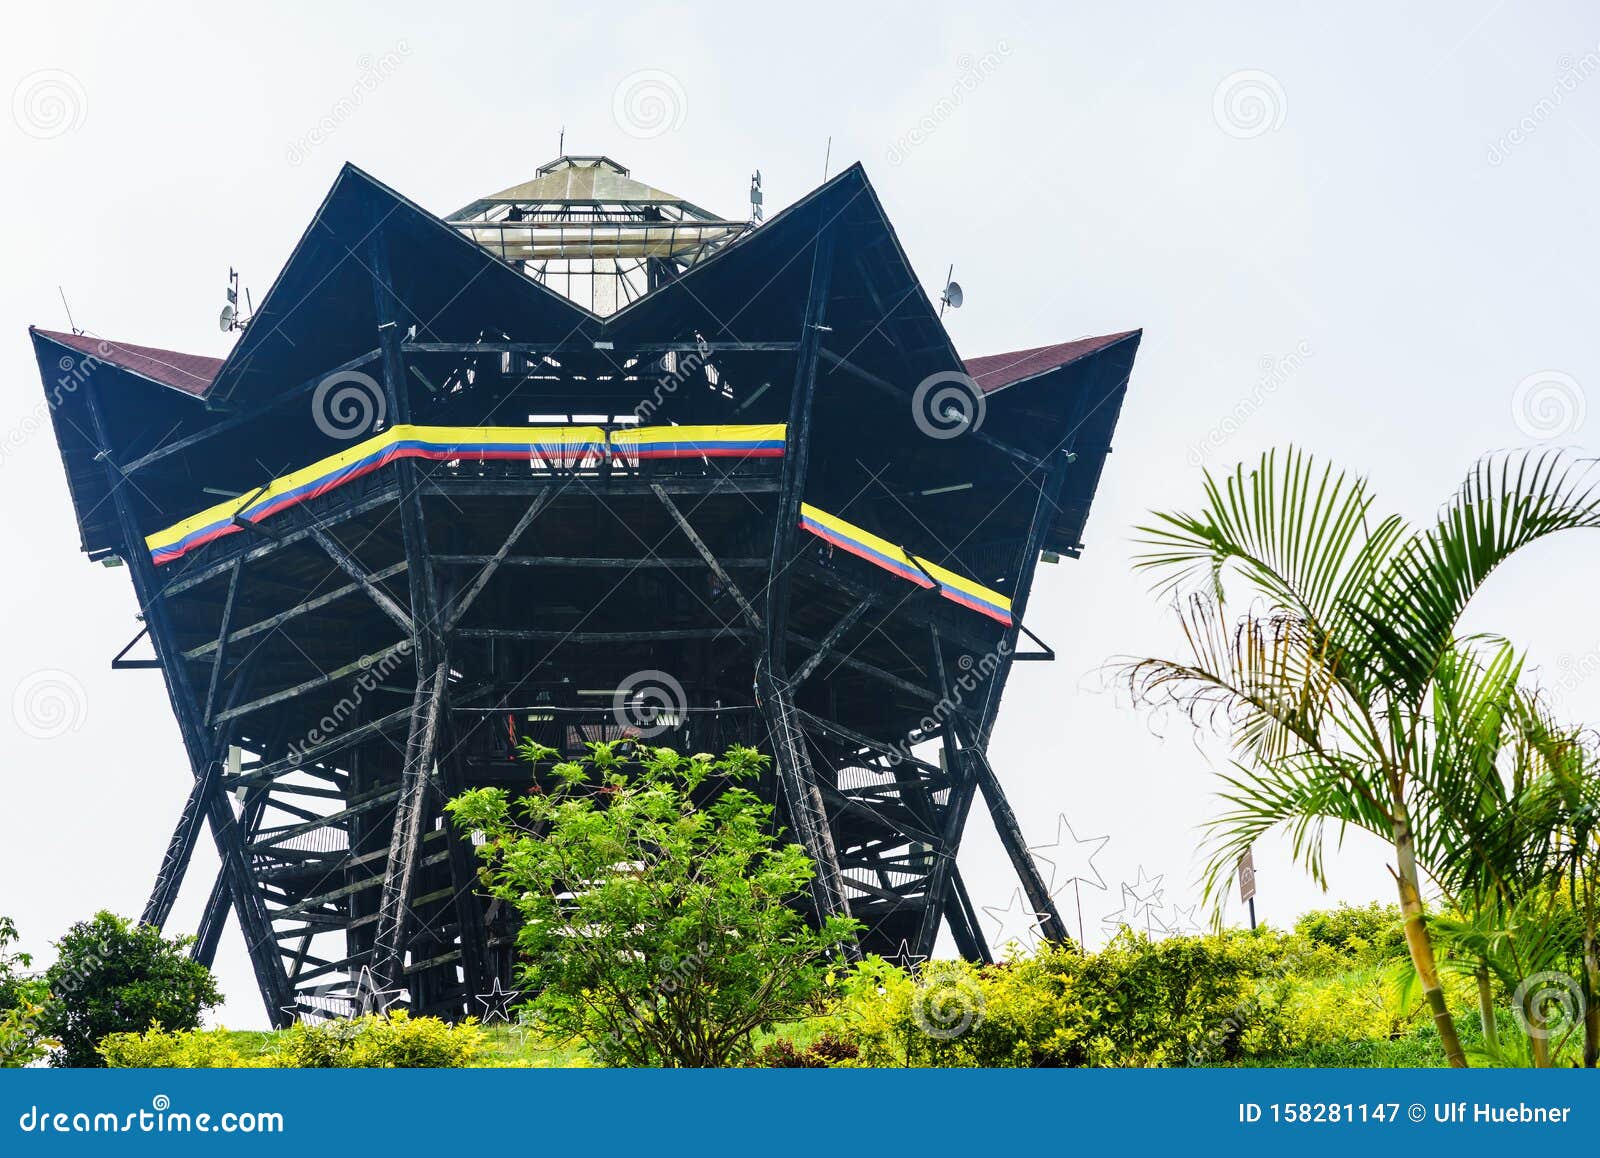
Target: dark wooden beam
292	613
829	642
465	600
365	663
348	564
405	844
249	554
599	562
221	657
704	552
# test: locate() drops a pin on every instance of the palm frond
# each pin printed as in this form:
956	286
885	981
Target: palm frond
1300	534
1268	682
1507	502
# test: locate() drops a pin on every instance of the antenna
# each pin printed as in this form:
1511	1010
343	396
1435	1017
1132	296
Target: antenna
953	295
70	324
229	319
561	142
756	211
826	157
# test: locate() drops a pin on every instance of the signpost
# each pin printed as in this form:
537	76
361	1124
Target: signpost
1247	883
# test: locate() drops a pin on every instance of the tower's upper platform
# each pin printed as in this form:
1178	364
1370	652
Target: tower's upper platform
587	229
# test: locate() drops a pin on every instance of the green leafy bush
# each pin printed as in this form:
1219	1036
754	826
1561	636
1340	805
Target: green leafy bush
22	1001
683	941
1185	1000
394	1041
1369	933
1241	998
114	976
159	1048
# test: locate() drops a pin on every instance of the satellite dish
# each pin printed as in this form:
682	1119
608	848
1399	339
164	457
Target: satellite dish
229	314
952	295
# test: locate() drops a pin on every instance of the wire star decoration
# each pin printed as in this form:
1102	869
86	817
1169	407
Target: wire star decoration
1016	924
526	1022
1146	893
1071	857
370	997
1180	921
905	959
497	1002
304	1014
1125	917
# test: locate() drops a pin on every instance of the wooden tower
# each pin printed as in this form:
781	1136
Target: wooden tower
580	461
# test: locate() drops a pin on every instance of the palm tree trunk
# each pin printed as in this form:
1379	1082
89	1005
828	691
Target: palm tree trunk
1538	1031
1491	1031
1591	994
1421	945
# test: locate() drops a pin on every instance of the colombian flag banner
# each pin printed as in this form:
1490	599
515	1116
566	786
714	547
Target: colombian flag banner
647	442
895	560
541	447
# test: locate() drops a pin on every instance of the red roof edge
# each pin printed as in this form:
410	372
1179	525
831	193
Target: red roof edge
993	371
187	373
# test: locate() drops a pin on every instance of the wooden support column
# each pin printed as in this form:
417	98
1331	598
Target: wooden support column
802	797
428	639
982	774
405	842
959	769
247	898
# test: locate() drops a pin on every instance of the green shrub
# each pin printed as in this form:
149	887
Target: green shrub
22	1002
1185	1000
1239	998
1371	933
692	941
395	1041
158	1048
400	1041
114	976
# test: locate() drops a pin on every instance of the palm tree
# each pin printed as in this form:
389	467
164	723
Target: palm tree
1346	691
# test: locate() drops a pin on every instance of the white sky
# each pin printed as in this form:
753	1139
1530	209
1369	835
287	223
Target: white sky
1382	224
